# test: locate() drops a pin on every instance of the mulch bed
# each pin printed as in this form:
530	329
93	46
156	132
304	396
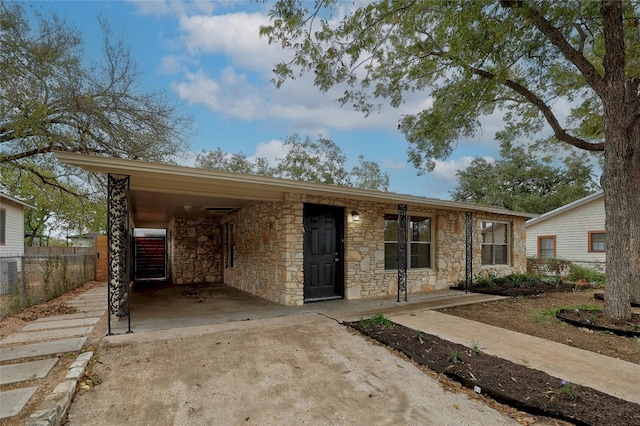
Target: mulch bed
595	320
600	296
521	387
524	290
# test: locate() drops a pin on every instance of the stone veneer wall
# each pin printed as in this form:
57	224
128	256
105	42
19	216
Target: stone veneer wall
195	250
518	245
366	263
268	251
365	276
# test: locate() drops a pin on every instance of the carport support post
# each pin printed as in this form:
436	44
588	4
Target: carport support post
469	252
118	248
402	250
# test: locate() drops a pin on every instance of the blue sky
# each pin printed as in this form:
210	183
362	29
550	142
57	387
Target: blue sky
209	57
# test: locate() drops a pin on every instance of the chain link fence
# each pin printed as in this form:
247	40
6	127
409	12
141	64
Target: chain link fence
28	280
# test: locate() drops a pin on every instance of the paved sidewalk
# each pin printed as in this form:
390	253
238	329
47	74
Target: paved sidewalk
54	335
609	375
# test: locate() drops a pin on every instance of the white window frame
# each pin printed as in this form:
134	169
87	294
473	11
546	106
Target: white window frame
409	242
486	224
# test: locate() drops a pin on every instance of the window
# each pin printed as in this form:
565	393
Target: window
596	241
231	243
547	246
3	227
418	242
495	243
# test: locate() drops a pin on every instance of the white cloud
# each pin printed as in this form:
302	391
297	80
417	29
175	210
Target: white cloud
234	35
272	151
445	171
240	87
199	89
171	64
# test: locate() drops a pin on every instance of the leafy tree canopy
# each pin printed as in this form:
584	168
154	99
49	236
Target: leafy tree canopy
568	66
521	180
306	160
61	210
54	98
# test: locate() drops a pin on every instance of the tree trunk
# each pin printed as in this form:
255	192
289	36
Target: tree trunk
619	194
618	243
32	236
634	246
619	99
634	231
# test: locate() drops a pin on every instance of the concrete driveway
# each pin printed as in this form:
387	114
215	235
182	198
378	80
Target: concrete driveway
298	369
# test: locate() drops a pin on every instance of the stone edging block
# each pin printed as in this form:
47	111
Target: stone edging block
57	403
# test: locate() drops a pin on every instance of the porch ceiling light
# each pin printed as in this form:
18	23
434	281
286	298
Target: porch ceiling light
187	208
355	215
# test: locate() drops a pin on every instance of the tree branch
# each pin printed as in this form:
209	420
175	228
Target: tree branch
558	131
590	73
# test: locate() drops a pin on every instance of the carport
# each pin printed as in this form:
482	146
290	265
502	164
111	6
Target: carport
293	242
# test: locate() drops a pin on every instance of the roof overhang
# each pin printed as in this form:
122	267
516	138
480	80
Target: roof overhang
160	191
567	207
15	200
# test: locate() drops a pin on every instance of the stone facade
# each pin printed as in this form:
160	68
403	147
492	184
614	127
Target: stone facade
268	249
195	250
267	240
518	246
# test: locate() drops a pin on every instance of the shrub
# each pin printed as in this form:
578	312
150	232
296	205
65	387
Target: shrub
577	273
516	280
554	267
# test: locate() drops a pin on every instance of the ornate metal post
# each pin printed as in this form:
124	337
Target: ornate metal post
118	248
402	250
469	252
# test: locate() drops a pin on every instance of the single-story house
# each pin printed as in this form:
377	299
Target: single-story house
293	242
11	241
12	225
573	232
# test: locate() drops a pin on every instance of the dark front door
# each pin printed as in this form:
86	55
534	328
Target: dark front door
323	253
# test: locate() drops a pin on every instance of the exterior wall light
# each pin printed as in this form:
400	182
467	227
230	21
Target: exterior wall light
355	215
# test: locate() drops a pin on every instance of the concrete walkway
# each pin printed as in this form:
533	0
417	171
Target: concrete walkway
54	335
609	375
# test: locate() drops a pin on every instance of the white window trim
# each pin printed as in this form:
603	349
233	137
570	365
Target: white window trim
431	243
508	243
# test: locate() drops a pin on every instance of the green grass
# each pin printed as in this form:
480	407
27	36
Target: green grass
548	315
377	319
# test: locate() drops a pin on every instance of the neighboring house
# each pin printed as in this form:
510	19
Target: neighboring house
573	232
12	225
11	241
293	242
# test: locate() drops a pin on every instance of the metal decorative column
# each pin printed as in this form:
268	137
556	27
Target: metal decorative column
469	252
402	250
118	244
